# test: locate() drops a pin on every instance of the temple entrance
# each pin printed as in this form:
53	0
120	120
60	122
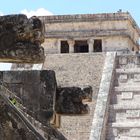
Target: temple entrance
64	47
81	46
97	45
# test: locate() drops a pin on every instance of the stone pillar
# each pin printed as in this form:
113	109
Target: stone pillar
90	45
59	46
71	45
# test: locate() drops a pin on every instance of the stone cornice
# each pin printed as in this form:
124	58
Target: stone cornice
91	17
85	17
84	33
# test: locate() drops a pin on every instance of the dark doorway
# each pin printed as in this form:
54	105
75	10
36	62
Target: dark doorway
64	47
98	45
81	46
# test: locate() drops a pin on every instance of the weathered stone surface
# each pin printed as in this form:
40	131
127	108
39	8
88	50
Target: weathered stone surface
133	114
24	29
22	127
127	95
123	60
69	100
123	78
22	53
35	94
20	39
10	126
136	77
36	89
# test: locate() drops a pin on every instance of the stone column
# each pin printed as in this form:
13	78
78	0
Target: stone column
90	45
71	46
59	46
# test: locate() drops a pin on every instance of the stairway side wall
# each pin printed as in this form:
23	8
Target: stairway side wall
101	110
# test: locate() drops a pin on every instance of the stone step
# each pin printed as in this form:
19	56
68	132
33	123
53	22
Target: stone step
122	138
127	138
126	70
135	83
127	88
126	106
134	132
125	124
113	133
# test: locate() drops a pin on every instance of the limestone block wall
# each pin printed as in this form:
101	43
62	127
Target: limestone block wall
77	70
51	45
114	43
132	32
90	25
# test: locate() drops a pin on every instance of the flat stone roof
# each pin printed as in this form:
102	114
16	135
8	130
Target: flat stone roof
91	17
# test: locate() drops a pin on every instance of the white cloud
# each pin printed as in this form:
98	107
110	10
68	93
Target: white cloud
1	14
38	12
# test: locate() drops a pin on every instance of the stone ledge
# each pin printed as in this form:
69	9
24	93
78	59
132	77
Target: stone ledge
22	53
130	124
129	138
124	106
86	17
130	70
128	88
90	17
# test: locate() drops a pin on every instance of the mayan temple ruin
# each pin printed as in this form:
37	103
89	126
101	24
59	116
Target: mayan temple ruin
88	87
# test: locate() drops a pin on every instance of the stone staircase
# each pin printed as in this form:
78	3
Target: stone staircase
124	107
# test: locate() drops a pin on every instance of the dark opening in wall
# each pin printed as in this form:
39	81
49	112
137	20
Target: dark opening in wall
64	47
97	45
81	46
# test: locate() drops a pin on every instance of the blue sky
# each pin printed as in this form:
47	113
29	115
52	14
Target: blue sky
57	7
72	6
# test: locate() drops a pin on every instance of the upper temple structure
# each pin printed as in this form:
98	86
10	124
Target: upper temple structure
90	33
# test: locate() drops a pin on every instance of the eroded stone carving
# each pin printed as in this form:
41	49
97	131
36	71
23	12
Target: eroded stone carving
21	38
69	100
